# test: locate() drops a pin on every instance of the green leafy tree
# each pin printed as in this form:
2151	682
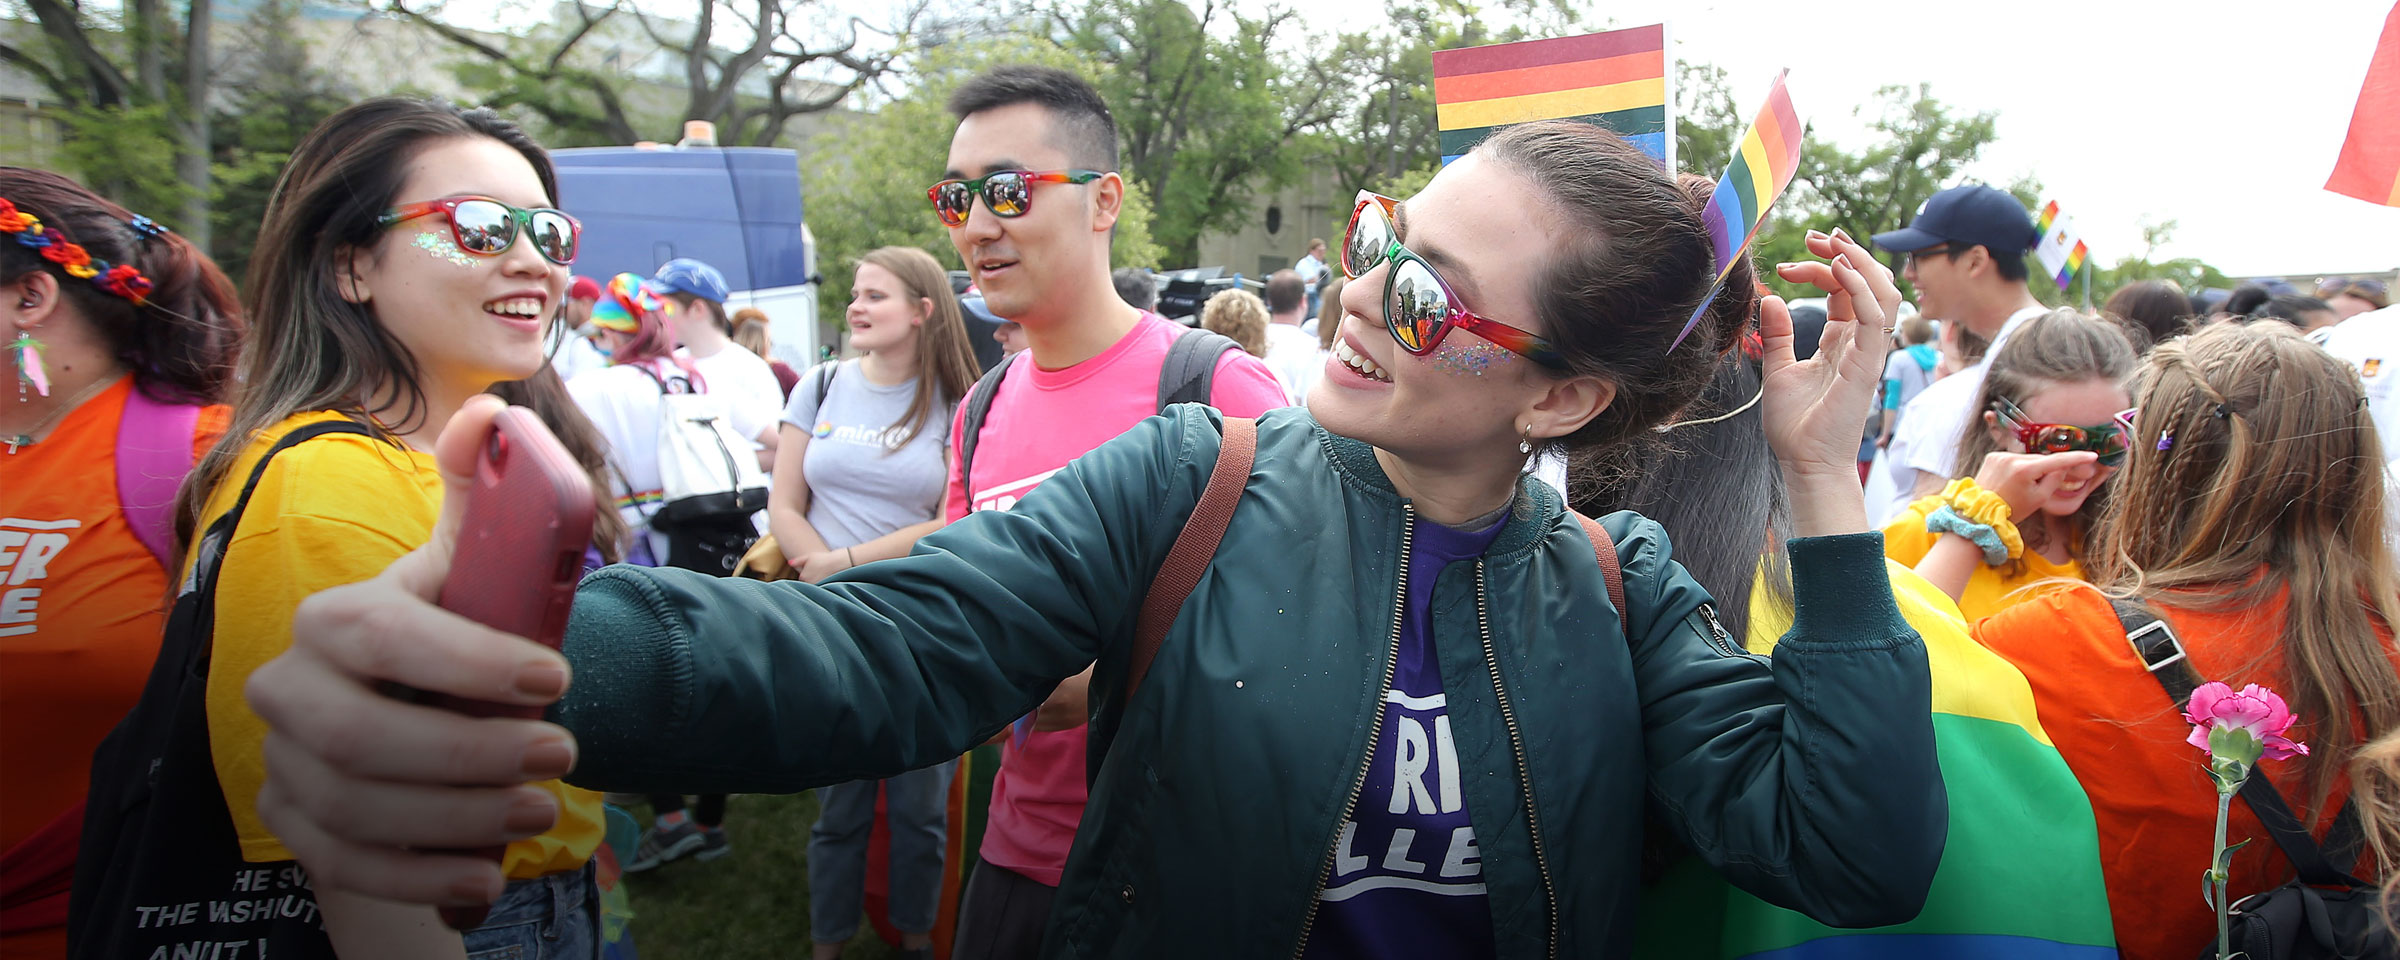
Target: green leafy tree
278	97
136	81
1205	107
866	181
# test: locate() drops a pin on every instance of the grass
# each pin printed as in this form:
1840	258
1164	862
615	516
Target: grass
750	903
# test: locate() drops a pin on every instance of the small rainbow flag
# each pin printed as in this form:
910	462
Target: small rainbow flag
2369	166
2061	251
1761	168
1617	80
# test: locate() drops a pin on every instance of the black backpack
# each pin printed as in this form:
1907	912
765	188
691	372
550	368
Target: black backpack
2325	912
1187	376
159	872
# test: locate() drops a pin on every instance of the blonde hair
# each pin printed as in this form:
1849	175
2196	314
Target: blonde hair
945	364
2255	473
1241	315
1916	328
2058	348
750	330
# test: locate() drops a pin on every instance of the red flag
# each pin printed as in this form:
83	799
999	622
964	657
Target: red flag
2369	168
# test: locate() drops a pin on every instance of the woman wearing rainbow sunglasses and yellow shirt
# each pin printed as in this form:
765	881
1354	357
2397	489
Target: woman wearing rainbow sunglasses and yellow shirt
2031	470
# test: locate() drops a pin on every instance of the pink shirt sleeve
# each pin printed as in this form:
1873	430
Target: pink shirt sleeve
1244	387
954	494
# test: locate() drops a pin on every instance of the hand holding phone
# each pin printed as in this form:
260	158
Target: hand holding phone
518	557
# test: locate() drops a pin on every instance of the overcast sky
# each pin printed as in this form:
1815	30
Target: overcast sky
2224	117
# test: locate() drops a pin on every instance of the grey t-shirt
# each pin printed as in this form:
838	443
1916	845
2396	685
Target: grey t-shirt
859	488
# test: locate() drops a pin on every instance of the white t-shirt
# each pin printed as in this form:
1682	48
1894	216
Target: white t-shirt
2371	343
1312	271
753	397
1926	441
574	355
1293	357
624	404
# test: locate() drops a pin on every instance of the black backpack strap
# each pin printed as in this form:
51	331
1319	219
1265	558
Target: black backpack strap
219	536
1191	367
2155	643
825	373
979	406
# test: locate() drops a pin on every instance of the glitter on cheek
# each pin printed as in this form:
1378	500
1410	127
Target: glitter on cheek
1469	359
441	247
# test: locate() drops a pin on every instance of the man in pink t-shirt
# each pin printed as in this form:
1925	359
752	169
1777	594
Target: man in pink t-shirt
1090	372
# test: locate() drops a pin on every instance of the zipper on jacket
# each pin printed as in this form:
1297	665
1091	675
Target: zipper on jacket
1516	745
1391	658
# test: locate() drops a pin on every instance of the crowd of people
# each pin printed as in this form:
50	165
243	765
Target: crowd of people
1293	626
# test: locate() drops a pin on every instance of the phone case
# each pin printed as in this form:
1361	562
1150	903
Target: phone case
518	558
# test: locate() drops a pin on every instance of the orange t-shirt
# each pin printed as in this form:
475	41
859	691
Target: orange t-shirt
82	606
2124	739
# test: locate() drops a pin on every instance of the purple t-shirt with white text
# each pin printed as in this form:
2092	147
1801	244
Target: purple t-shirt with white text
1407	878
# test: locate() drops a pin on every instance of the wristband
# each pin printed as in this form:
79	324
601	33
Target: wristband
1946	520
1979	506
852	553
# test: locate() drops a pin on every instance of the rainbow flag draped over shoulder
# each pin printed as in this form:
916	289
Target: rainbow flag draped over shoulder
1616	80
2020	874
1763	163
2369	167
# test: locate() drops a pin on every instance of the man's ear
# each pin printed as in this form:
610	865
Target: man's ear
1978	261
1108	202
34	299
349	274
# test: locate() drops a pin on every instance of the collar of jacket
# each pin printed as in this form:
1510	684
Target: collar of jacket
1535	511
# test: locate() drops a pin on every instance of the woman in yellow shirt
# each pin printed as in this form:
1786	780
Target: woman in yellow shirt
2030	469
409	260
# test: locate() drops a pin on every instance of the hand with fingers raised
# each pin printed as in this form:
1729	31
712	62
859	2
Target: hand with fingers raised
1813	407
2028	480
359	784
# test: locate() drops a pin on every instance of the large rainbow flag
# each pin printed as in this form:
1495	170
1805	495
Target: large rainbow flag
1763	164
1617	80
2020	874
2369	167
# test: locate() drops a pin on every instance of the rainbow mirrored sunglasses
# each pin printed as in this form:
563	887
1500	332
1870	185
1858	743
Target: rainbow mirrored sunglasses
1419	309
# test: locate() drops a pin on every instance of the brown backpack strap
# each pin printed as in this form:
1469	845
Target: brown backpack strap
1194	548
1604	547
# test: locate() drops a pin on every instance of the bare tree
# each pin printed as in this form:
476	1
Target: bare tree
88	78
751	92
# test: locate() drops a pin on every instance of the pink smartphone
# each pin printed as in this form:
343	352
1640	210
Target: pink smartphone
519	556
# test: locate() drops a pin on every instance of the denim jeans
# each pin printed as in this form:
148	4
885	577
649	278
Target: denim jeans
551	918
917	805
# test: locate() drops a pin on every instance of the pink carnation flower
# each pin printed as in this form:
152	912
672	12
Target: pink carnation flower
2254	710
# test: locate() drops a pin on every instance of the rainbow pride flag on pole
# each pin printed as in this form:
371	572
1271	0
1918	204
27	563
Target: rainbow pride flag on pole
1763	164
2020	873
1617	80
2369	166
2061	250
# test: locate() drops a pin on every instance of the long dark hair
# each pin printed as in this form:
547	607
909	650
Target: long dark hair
546	395
309	348
1616	296
180	344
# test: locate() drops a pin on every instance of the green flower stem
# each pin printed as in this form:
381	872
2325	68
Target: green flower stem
2218	873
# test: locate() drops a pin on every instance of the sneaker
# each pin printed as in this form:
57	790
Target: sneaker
661	844
713	844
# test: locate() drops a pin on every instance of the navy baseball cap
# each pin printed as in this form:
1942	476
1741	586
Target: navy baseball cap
1975	215
686	275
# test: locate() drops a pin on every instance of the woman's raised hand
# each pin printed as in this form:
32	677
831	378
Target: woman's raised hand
2028	480
358	783
1814	408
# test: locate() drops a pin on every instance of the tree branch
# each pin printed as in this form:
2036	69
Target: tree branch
64	23
41	71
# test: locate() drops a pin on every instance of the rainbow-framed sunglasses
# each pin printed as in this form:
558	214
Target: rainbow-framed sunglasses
1006	193
2108	440
487	228
1418	307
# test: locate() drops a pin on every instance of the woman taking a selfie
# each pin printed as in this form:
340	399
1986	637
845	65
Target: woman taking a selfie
1451	743
410	259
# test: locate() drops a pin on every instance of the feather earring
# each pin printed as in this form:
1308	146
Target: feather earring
28	353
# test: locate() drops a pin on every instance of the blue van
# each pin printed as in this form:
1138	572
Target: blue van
735	208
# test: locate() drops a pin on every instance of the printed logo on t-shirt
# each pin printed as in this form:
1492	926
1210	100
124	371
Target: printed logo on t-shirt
853	433
26	549
2369	367
1410	829
1006	495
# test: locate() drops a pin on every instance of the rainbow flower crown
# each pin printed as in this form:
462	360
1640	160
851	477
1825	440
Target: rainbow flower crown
122	279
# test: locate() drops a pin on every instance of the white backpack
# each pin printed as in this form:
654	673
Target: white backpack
709	481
